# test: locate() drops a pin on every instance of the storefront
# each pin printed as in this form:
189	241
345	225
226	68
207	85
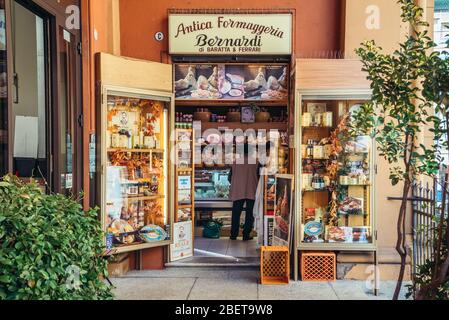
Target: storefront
157	175
173	170
319	193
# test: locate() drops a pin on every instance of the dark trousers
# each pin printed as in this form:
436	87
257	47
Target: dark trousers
237	209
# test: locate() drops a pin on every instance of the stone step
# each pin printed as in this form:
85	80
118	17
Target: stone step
223	261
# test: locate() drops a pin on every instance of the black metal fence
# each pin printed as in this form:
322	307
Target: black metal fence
425	203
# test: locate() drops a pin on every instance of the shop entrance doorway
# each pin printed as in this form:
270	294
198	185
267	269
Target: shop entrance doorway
30	106
223	99
42	89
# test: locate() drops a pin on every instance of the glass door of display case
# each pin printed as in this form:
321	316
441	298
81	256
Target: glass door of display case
184	197
337	174
135	171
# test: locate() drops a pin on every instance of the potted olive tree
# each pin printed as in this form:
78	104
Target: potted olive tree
408	91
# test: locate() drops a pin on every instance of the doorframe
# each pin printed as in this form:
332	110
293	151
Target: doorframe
54	17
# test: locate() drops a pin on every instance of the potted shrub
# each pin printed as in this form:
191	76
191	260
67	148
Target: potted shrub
50	248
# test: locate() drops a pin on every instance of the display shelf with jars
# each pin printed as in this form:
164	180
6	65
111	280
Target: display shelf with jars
135	188
218	148
337	175
184	176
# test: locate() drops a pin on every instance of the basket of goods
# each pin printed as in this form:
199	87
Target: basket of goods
233	115
202	115
152	233
123	232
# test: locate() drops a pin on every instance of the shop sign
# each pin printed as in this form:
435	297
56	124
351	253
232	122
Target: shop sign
232	34
182	246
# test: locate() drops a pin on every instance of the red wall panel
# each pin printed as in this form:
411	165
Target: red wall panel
317	23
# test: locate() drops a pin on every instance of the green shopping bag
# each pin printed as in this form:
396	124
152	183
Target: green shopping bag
212	229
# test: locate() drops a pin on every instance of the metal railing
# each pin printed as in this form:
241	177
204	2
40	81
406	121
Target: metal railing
425	204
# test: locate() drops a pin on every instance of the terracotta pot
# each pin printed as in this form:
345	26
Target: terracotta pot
202	116
233	117
263	117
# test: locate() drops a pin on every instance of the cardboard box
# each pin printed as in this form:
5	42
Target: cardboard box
120	267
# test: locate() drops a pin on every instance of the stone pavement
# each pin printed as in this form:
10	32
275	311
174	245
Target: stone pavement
235	284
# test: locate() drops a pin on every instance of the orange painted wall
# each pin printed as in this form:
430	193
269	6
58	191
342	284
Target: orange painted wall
318	23
100	40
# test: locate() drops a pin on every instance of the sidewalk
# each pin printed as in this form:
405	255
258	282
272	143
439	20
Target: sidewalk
235	284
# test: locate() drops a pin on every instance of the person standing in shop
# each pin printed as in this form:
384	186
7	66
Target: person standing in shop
244	178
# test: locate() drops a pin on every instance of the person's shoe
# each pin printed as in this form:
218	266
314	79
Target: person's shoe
233	238
248	238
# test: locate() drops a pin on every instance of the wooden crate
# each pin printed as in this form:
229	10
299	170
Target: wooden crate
275	266
319	266
119	266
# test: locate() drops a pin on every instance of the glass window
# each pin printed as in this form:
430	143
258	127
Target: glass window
441	28
336	176
136	170
29	108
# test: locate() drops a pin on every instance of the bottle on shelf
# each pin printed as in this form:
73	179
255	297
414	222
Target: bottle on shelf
310	149
315	182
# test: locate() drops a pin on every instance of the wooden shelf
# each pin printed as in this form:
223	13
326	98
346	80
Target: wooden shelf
317	159
244	126
204	184
320	190
136	150
137	181
136	246
317	128
184	206
143	198
230	103
215	167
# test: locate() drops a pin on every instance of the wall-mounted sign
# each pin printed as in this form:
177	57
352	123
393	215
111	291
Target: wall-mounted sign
232	34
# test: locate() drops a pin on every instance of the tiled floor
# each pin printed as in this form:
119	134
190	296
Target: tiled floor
226	247
237	284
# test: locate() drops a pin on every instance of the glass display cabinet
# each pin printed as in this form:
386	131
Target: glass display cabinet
184	175
336	188
134	154
212	185
183	226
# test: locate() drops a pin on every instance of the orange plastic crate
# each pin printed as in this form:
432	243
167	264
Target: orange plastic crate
319	266
275	266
